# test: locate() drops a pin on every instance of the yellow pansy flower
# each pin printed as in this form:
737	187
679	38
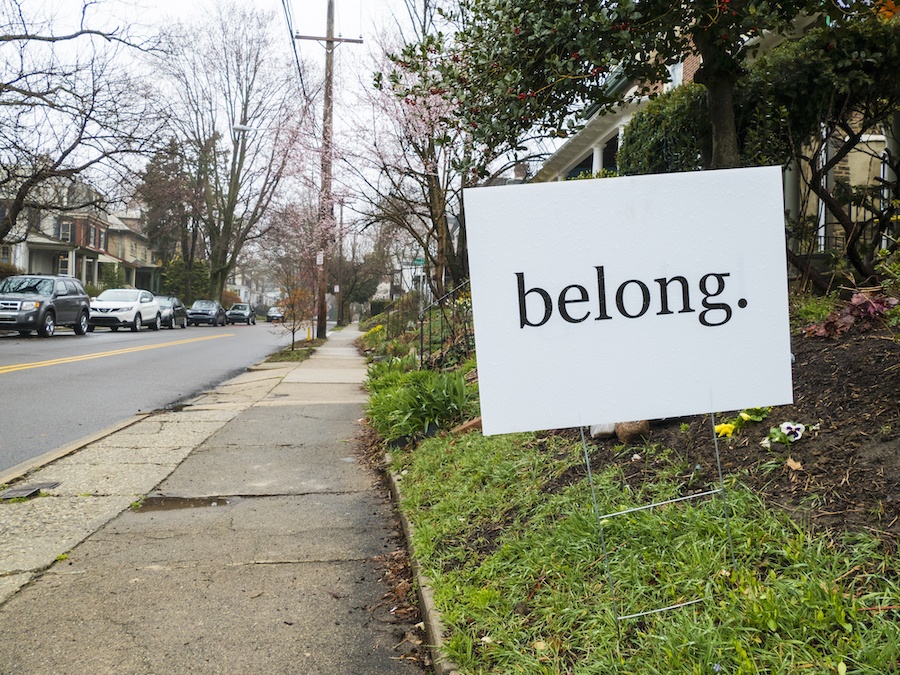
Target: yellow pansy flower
725	429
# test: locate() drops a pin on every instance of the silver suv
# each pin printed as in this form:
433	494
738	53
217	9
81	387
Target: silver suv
42	302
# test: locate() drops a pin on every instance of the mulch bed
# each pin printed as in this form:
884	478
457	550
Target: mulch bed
846	474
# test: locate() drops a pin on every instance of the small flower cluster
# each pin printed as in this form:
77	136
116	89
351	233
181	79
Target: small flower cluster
731	425
787	433
864	311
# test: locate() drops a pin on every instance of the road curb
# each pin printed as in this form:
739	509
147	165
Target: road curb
23	468
431	617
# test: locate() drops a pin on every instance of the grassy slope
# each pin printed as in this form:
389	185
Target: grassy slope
506	529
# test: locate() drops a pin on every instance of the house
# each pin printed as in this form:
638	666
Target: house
132	250
77	238
69	240
252	287
593	149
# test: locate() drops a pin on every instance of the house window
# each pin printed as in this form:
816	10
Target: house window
64	231
6	255
92	236
63	265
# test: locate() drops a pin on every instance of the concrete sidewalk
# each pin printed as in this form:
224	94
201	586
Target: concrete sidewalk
253	552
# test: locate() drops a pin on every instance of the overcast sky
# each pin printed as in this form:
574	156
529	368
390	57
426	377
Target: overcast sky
353	18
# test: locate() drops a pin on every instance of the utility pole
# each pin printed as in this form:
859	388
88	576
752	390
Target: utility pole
326	198
339	291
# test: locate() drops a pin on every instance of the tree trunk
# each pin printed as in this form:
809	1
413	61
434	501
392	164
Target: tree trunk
718	74
720	100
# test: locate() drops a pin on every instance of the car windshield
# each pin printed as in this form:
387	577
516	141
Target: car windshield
203	304
165	302
119	295
239	307
27	285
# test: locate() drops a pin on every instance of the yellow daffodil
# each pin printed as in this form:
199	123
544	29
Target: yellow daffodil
725	429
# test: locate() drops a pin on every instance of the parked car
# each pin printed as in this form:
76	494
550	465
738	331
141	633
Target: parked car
206	311
132	308
42	302
274	314
172	311
241	312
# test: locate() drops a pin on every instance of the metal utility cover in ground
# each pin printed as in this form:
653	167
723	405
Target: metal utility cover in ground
27	491
618	299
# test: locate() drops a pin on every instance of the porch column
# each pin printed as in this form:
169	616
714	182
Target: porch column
597	160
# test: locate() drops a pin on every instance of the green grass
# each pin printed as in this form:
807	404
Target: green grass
405	403
806	309
505	528
301	351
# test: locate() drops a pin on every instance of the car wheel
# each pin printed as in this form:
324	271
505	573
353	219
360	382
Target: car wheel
48	325
157	324
82	326
172	323
184	322
138	323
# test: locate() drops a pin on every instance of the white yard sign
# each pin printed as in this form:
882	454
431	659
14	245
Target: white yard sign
620	299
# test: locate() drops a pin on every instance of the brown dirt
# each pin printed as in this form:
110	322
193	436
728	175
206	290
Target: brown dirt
846	474
399	605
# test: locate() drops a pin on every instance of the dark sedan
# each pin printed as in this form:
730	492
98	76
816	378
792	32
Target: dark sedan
241	312
172	311
206	311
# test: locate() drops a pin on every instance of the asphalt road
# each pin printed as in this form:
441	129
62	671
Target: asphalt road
57	390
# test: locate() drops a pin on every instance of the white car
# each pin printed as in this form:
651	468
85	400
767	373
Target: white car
116	308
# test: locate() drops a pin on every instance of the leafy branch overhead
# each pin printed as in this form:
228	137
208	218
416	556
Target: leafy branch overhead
520	65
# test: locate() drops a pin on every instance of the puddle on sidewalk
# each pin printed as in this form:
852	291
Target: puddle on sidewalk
167	503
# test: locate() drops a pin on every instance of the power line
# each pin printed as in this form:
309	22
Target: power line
290	25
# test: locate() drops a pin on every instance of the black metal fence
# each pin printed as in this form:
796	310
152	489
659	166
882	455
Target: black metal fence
397	317
446	333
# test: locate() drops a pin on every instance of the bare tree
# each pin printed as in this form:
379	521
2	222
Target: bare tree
291	242
67	108
238	105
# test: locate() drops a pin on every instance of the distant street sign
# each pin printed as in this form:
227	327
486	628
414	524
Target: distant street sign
419	262
320	258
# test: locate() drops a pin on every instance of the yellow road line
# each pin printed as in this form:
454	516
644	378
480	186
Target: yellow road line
100	355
